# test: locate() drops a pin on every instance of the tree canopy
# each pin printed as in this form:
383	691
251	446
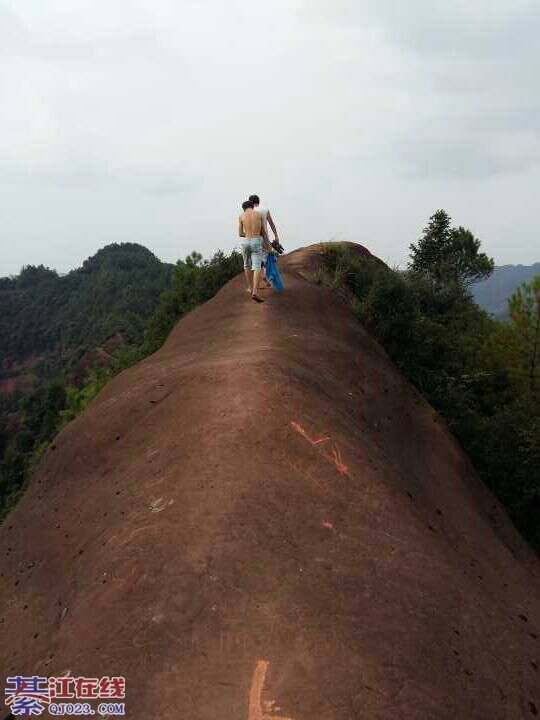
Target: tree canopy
447	254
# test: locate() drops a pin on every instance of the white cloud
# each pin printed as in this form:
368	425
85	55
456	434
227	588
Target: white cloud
151	121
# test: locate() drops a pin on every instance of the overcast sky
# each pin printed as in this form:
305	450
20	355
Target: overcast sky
131	120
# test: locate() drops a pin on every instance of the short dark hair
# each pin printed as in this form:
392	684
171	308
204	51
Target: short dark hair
255	199
248	204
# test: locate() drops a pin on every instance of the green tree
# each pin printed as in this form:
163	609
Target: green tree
193	282
524	308
449	255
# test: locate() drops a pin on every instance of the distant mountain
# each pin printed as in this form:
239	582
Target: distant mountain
492	294
50	322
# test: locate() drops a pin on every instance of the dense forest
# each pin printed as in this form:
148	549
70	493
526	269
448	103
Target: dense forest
481	374
48	322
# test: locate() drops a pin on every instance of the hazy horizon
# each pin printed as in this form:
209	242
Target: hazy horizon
65	272
150	124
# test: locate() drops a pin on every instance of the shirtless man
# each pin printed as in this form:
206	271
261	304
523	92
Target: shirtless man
255	239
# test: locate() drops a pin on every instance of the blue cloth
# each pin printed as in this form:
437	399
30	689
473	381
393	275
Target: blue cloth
272	273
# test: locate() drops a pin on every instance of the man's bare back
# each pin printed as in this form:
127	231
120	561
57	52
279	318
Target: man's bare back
251	224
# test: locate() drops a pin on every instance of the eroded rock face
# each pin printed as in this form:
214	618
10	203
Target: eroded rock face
264	521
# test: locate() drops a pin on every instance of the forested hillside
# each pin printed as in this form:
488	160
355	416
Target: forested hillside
66	336
49	322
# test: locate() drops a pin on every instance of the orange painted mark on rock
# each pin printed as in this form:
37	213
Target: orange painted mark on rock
258	708
340	467
303	433
334	457
255	694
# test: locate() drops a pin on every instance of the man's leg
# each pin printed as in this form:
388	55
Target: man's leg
256	280
246	256
256	249
263	272
264	280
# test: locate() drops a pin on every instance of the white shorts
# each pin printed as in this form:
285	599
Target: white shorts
252	252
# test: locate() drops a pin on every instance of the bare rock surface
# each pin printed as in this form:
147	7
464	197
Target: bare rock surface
265	521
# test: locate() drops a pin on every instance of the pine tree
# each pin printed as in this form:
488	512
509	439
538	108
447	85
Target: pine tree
524	308
448	255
